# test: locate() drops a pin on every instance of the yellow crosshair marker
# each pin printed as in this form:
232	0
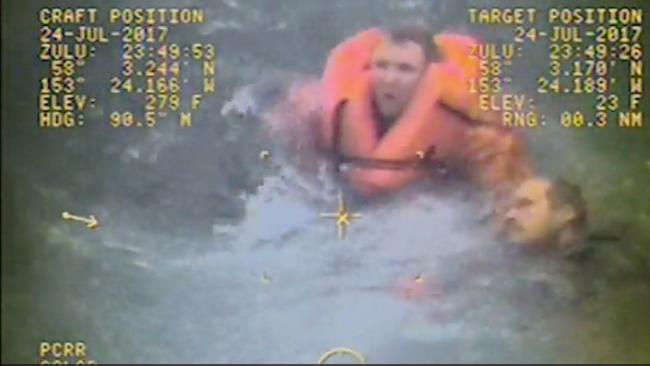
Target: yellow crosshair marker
343	217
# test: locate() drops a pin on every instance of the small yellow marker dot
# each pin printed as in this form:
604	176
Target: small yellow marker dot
265	155
266	278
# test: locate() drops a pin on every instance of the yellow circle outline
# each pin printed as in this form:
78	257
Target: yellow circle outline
341	351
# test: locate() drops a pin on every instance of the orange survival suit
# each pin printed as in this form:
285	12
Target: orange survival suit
491	156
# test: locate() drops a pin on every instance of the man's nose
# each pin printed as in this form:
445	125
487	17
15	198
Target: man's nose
391	76
511	214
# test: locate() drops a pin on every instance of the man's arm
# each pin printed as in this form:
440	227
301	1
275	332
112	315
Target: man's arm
358	137
497	158
421	125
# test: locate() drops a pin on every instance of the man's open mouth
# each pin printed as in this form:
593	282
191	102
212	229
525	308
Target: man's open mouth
388	96
512	226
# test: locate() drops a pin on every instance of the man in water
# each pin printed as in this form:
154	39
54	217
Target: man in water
389	98
397	115
541	213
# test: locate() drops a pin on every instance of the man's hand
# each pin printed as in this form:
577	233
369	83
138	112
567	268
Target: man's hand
496	158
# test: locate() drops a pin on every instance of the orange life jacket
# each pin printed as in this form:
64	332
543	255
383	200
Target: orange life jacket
348	62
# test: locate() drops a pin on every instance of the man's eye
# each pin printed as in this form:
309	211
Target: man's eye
406	68
381	64
523	202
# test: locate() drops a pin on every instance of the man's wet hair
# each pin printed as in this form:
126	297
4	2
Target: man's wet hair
563	193
419	35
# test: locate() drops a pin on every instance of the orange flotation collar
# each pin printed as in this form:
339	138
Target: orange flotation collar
350	60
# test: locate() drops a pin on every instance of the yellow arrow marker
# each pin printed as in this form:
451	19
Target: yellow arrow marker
342	351
91	222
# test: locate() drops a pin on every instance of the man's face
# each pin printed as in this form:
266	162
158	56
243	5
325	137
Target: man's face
529	217
396	70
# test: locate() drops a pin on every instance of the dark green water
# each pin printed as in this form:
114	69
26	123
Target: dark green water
191	221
